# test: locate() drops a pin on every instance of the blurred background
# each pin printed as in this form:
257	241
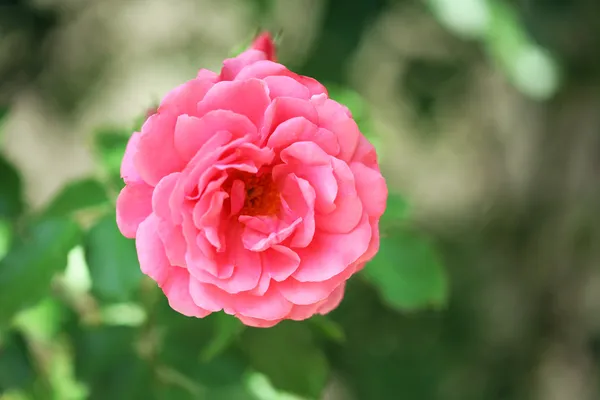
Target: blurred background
486	115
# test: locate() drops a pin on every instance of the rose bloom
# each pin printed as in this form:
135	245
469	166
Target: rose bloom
251	192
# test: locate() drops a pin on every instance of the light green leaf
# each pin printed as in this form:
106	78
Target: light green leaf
76	196
27	270
112	261
408	272
289	357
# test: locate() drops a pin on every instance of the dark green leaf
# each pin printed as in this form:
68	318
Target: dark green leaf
106	361
289	357
11	190
16	369
27	270
408	272
227	329
76	196
184	349
112	261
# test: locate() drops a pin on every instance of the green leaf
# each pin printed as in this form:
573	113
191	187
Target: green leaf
397	210
11	190
77	196
289	357
110	145
184	348
6	237
16	369
112	261
106	361
27	270
408	272
227	329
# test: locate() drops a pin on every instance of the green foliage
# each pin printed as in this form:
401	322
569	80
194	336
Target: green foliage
77	196
16	368
289	356
27	270
112	261
11	191
408	272
109	147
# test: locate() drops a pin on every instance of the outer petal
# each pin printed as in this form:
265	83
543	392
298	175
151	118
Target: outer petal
330	253
306	293
270	306
156	156
184	98
371	189
249	98
257	323
284	86
151	251
128	171
232	66
177	290
134	204
336	118
333	300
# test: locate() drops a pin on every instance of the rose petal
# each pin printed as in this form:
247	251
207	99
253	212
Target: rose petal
262	69
128	171
151	251
333	301
371	188
305	293
285	108
185	97
255	240
234	96
270	306
162	195
330	254
284	86
232	66
134	204
299	129
337	119
305	153
264	43
300	196
257	323
156	156
280	262
177	290
191	132
348	207
174	242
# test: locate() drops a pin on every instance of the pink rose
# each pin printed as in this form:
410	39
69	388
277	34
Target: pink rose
252	192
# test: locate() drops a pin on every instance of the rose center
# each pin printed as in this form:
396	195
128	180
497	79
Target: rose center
261	194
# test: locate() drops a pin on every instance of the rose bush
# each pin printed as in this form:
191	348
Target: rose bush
252	192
